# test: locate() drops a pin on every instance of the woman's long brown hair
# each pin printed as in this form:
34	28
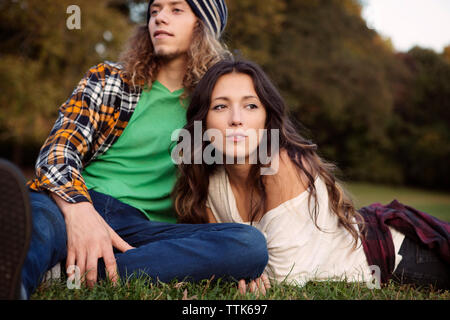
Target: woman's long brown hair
191	190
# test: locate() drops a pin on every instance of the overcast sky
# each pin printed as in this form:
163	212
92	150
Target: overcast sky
410	22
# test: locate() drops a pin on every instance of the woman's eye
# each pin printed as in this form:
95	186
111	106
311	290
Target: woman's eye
219	107
252	106
177	10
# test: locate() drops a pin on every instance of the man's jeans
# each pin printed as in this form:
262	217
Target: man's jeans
163	251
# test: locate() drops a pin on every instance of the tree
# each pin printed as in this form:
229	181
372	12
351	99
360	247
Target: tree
446	53
421	131
42	61
335	74
253	26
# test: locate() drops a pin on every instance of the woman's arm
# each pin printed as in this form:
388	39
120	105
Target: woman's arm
211	218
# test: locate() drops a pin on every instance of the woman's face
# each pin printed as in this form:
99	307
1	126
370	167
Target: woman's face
237	113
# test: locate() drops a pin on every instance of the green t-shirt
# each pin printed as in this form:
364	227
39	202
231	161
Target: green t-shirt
138	169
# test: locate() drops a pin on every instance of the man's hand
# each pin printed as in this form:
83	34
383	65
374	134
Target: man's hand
258	285
89	238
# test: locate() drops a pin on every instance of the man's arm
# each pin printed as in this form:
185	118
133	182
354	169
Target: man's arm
82	126
77	132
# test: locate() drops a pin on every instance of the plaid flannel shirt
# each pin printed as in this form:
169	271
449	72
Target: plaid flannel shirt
89	122
418	226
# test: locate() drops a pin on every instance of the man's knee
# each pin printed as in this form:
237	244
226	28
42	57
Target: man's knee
47	218
253	248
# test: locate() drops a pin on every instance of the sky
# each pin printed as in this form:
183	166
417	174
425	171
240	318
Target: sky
410	22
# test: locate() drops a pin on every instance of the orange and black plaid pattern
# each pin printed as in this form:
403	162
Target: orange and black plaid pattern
89	122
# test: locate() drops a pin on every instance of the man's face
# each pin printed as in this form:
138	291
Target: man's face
171	27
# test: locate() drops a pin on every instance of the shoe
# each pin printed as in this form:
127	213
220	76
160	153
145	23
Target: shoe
15	229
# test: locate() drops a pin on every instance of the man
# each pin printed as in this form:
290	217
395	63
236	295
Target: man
104	175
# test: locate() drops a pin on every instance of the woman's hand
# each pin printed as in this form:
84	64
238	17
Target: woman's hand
256	286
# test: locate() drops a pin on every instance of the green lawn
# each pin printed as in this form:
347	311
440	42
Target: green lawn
206	290
434	203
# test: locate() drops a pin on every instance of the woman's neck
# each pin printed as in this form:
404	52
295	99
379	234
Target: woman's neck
238	175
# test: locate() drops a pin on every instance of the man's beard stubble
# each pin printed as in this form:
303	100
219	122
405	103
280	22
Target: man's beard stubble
170	56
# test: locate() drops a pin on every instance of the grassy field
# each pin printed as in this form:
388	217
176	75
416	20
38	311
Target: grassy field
437	204
207	290
434	203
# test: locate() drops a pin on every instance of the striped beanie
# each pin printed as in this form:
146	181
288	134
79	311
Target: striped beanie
214	13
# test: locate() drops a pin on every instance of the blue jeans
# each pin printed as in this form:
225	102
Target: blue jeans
421	266
163	251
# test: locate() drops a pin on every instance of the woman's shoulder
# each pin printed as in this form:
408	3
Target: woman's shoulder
289	173
287	183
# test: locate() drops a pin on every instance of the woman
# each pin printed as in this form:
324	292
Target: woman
312	228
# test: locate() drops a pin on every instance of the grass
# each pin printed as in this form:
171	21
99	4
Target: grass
434	203
138	289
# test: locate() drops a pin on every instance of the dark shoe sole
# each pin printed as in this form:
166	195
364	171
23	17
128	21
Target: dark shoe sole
15	229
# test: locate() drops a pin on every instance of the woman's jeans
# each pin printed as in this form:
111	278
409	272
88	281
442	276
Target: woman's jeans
421	266
163	251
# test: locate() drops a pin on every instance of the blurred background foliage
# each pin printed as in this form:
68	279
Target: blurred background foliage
381	115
